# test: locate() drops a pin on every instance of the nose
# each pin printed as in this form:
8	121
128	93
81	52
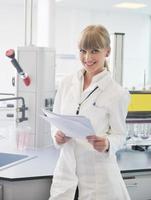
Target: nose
88	56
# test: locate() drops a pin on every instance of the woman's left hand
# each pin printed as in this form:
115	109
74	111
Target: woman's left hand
100	144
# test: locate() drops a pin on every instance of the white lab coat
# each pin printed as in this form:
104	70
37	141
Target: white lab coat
96	173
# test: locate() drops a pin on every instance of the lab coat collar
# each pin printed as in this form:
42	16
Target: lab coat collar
80	74
102	80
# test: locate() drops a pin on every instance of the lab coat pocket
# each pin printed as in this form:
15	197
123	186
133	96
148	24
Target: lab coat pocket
99	103
100	110
99	106
99	118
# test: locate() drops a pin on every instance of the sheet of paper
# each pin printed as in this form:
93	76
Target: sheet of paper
74	126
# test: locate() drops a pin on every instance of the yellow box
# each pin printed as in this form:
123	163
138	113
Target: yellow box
140	101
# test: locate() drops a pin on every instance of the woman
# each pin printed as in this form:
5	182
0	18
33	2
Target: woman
91	163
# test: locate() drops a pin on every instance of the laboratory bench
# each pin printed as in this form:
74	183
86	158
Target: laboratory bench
135	167
31	179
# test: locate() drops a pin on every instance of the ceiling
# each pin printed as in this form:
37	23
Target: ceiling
98	5
105	5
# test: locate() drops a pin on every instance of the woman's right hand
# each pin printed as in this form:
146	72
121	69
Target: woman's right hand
61	138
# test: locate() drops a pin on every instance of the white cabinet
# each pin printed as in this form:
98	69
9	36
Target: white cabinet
31	189
7	113
138	185
39	63
29	180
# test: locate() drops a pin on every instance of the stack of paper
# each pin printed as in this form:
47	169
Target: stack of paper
74	126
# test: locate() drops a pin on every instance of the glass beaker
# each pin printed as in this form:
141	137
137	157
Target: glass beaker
24	137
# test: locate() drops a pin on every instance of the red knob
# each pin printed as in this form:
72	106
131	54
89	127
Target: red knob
27	81
10	53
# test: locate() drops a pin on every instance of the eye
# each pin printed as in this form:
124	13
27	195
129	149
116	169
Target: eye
82	51
94	51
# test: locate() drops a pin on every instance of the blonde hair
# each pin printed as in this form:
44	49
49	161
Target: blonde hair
95	37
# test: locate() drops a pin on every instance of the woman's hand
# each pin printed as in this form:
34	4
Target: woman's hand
61	138
100	144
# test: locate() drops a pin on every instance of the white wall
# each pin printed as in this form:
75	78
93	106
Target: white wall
11	36
69	24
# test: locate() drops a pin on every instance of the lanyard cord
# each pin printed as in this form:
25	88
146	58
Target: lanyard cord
79	105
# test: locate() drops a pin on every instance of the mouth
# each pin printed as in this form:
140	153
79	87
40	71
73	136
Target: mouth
89	64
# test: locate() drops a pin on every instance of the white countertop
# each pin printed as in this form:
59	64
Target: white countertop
43	164
40	166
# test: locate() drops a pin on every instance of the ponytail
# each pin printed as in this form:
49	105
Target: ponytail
106	65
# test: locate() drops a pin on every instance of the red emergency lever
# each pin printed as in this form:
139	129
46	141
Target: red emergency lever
11	54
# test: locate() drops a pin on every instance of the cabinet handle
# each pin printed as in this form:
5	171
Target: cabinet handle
13	81
10	115
129	177
10	105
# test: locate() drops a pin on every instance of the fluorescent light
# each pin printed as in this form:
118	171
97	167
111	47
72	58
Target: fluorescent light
130	5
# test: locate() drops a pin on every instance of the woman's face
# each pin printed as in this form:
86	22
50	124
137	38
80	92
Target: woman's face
93	59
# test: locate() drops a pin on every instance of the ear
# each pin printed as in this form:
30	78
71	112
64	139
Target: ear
108	52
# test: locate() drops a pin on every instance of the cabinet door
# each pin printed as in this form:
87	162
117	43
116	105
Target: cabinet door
34	189
1	192
139	186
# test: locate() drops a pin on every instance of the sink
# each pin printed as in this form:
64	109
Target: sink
9	159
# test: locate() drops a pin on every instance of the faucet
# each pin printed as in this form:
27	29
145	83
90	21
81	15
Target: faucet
21	109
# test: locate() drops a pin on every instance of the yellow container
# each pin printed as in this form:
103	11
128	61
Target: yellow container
140	101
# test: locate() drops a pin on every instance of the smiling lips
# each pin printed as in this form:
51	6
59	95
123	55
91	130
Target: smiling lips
89	64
